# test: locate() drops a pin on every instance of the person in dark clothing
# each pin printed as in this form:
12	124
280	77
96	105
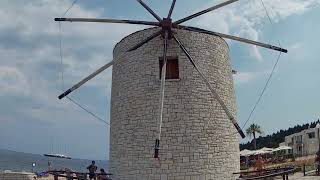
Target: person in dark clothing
92	169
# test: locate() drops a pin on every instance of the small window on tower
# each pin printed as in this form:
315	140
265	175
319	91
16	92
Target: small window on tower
172	68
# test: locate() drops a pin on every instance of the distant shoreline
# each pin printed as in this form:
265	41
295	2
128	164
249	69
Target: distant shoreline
8	150
23	162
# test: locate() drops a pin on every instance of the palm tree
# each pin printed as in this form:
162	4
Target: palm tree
252	131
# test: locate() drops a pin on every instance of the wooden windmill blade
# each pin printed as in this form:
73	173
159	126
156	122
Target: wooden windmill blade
118	21
205	11
171	9
86	79
235	38
161	21
214	93
150	10
162	88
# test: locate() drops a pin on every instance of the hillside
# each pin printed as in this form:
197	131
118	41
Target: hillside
273	140
19	161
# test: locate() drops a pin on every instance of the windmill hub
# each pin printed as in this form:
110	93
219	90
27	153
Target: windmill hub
166	25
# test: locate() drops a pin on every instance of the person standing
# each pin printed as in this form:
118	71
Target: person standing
259	165
92	169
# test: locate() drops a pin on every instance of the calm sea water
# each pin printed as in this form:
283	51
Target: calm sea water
16	161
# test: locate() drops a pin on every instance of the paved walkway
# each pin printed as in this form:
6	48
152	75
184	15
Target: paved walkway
299	176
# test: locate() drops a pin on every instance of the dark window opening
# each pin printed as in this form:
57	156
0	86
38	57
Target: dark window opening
172	68
312	135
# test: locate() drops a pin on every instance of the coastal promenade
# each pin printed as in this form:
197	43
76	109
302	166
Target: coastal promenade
299	176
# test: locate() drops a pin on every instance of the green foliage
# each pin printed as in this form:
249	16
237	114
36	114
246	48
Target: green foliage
253	129
273	140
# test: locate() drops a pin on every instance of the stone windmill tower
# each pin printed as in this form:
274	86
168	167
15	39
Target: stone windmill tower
194	113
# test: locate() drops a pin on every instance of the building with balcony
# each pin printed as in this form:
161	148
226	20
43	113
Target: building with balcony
304	143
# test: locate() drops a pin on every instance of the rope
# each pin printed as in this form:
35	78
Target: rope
267	13
62	69
71	6
61	58
269	18
94	115
263	91
270	76
60	43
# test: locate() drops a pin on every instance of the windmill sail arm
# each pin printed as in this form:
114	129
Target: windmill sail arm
214	93
162	88
171	9
205	11
154	35
248	41
94	74
117	21
149	10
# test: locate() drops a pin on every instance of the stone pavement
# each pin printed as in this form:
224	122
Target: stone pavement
299	176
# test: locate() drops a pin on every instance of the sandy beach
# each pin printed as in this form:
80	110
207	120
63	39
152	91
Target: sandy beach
21	176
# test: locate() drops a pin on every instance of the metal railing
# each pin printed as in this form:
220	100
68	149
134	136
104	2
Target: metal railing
78	175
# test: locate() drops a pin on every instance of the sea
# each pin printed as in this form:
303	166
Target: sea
25	162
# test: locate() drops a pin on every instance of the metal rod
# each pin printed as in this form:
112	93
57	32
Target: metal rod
76	86
199	30
204	11
163	80
214	93
149	10
118	21
154	35
162	88
171	8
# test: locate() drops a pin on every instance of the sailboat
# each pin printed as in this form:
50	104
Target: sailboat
57	156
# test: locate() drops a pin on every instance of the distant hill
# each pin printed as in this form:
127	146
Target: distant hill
273	140
19	161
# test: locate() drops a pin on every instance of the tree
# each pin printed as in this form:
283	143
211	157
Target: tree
252	131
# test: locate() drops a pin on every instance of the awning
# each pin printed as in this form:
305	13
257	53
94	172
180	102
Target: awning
282	148
246	152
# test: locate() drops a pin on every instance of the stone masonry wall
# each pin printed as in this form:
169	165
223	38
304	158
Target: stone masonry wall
198	141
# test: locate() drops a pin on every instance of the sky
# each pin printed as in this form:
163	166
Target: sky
33	120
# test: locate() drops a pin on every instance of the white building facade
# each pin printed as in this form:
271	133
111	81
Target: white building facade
305	142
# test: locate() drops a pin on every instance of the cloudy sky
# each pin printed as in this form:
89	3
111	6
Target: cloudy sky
33	120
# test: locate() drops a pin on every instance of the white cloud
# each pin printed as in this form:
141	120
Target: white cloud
281	9
254	52
13	81
245	18
244	77
296	46
29	48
